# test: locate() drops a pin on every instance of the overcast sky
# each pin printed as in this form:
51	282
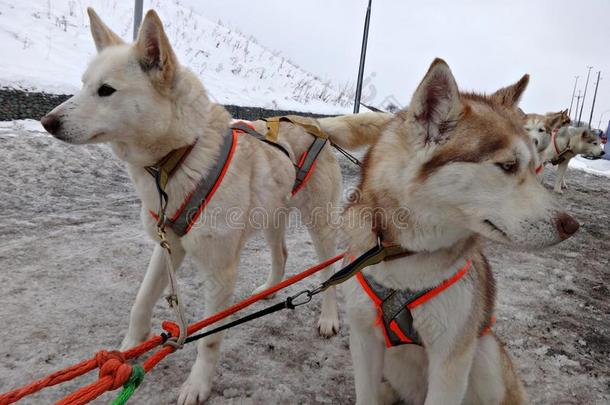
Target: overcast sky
487	43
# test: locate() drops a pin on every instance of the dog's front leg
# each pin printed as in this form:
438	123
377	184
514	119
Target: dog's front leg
560	179
151	288
448	373
367	357
219	283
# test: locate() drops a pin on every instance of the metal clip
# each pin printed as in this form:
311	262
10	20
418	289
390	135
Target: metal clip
304	300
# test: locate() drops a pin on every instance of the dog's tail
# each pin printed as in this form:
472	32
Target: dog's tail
355	130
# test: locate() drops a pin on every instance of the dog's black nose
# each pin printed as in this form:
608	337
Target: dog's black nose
51	123
566	225
603	153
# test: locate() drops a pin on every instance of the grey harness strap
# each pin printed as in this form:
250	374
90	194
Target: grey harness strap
186	215
306	165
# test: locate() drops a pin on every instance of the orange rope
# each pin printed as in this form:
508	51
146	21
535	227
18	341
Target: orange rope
114	371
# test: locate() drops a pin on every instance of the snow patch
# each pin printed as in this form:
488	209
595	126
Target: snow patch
49	46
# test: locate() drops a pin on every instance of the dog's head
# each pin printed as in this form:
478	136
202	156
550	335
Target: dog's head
583	141
471	164
127	90
539	131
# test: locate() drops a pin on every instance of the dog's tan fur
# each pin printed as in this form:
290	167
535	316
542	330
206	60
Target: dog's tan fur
158	106
450	169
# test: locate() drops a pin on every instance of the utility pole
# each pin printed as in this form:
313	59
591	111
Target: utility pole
585	93
573	94
365	38
599	72
137	17
599	124
576	114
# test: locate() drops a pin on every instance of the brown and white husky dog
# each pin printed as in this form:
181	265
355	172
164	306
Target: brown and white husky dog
141	101
448	171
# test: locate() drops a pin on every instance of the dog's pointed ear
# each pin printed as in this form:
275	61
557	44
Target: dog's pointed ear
102	35
435	105
509	96
155	52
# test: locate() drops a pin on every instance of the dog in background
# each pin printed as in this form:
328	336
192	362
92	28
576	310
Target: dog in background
564	145
540	127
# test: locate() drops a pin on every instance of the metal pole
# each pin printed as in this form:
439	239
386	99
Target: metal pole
365	38
573	94
601	116
585	94
576	115
599	72
137	17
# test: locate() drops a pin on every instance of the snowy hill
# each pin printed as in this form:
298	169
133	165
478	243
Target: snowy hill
46	46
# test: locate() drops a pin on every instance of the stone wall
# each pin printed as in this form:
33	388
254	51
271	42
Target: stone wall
18	104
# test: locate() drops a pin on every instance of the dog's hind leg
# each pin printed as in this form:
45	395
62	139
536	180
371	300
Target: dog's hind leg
150	290
219	283
448	373
493	379
324	239
275	235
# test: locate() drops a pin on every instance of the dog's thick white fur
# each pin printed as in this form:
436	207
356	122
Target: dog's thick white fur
144	104
580	141
540	127
450	169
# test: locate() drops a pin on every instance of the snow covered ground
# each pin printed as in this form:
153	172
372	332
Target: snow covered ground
600	167
73	254
46	46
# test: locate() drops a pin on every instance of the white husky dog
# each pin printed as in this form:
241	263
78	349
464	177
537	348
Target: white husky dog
450	169
564	145
144	104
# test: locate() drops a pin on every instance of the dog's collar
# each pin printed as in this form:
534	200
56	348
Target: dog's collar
169	163
394	250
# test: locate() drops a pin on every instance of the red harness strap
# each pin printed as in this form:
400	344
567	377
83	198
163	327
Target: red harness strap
554	138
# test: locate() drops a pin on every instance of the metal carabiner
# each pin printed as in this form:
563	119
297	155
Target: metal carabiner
291	300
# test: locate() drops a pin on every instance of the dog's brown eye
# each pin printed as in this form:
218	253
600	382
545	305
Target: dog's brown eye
508	167
105	90
540	129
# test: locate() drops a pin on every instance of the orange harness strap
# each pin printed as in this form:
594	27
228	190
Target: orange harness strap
397	325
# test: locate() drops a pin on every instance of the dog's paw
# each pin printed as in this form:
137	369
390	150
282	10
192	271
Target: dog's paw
328	326
194	391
